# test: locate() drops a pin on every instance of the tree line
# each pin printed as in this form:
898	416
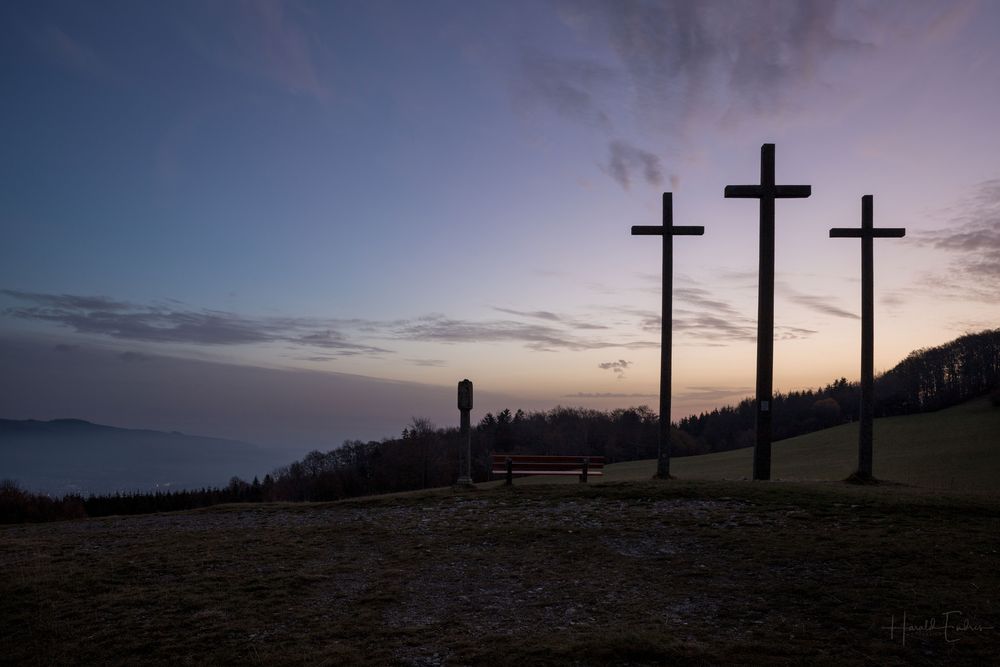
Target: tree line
928	379
425	456
20	506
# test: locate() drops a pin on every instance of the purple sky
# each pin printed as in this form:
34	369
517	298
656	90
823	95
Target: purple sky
297	223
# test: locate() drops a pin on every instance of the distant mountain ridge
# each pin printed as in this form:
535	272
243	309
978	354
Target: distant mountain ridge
73	455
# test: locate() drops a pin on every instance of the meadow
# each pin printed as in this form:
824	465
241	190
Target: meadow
626	571
953	449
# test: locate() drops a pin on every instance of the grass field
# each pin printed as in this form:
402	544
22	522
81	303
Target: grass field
956	449
622	572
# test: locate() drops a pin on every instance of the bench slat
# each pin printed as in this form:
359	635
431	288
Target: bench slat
531	458
595	473
539	466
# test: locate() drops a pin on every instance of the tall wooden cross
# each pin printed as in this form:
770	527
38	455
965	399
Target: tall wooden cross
766	192
668	231
867	233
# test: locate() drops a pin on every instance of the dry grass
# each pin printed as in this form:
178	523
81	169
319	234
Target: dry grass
627	573
956	449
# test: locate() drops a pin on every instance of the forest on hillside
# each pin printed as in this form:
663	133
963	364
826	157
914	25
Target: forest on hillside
426	456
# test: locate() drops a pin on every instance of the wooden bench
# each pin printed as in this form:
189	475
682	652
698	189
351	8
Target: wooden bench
529	464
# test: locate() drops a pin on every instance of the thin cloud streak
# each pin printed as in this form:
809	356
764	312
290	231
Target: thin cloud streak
626	162
161	324
973	240
823	304
428	363
711	393
539	337
607	394
618	367
336	337
570	322
539	314
704	316
567	85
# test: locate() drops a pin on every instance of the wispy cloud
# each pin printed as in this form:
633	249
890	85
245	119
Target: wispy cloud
972	237
703	316
626	162
572	322
714	328
169	324
704	299
700	315
824	304
714	62
567	85
539	314
68	301
428	363
541	337
678	56
172	322
893	299
785	332
691	394
607	394
617	367
319	358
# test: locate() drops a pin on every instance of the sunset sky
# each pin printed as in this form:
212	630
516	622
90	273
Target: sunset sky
296	223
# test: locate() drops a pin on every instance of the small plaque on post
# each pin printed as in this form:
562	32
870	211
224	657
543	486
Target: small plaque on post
465	395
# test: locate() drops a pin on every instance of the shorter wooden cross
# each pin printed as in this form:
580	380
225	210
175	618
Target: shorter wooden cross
867	233
668	231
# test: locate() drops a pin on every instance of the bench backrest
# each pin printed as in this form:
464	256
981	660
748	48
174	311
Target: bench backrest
530	464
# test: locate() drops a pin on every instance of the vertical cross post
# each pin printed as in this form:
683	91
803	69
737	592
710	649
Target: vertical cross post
465	429
867	233
766	192
668	231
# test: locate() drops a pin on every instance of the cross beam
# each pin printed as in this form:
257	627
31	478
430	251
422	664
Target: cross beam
766	192
668	231
867	233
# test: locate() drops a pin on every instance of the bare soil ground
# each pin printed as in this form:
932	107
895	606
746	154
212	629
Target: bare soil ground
637	573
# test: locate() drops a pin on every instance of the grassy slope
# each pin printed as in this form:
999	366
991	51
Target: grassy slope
638	573
957	448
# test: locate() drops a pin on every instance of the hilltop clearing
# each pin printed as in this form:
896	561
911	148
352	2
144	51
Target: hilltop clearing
636	573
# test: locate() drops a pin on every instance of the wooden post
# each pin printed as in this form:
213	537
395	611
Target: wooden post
465	429
867	233
586	465
510	473
668	231
766	192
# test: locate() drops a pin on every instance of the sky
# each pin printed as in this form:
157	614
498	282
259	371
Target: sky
302	222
